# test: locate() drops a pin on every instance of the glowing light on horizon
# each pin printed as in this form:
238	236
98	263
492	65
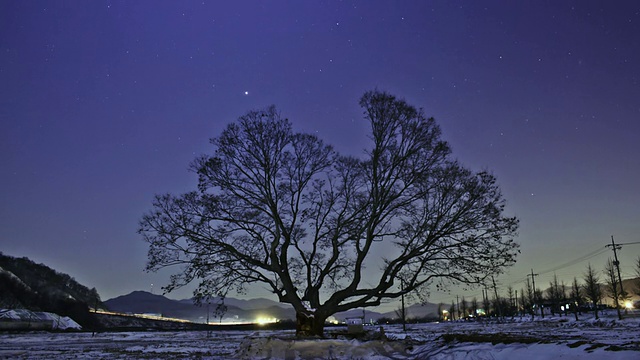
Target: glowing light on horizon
265	320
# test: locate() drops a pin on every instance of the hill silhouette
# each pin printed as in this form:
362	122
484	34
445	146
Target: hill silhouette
141	302
238	310
25	284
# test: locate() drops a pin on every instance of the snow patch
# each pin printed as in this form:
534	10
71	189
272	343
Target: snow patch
57	322
283	348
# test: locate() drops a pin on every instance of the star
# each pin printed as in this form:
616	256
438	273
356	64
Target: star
246	93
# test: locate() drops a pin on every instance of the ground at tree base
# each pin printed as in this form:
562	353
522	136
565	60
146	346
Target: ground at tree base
551	338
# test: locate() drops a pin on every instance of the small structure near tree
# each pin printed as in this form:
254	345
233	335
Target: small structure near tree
355	325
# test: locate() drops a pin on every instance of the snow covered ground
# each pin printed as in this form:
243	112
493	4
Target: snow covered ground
47	320
521	338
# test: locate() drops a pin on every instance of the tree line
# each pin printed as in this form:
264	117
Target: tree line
25	284
559	298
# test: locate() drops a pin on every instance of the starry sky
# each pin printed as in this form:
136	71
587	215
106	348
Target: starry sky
104	104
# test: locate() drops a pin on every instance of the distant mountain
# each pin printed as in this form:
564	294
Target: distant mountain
140	302
414	311
25	284
357	313
250	304
427	310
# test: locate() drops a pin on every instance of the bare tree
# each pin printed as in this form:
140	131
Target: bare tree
474	306
498	303
512	306
452	310
284	209
611	283
553	295
401	313
464	307
592	288
576	297
522	307
537	294
510	298
486	303
563	297
219	310
530	299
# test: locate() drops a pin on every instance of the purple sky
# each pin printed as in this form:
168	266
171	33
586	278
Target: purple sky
103	104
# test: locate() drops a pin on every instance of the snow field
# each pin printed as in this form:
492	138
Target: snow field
522	339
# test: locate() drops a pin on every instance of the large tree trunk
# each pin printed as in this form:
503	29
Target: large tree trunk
309	324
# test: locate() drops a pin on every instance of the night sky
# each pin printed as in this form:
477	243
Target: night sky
104	104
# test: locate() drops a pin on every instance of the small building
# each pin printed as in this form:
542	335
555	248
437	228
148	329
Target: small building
355	325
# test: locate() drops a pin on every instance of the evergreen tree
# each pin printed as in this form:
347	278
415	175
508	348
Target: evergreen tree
592	288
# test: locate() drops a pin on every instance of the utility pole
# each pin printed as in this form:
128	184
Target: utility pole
516	304
615	247
495	291
523	302
535	293
208	327
404	322
485	301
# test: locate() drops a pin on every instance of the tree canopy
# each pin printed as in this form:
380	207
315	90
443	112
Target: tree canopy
328	232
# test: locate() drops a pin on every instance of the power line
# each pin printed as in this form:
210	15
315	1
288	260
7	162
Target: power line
629	243
590	255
